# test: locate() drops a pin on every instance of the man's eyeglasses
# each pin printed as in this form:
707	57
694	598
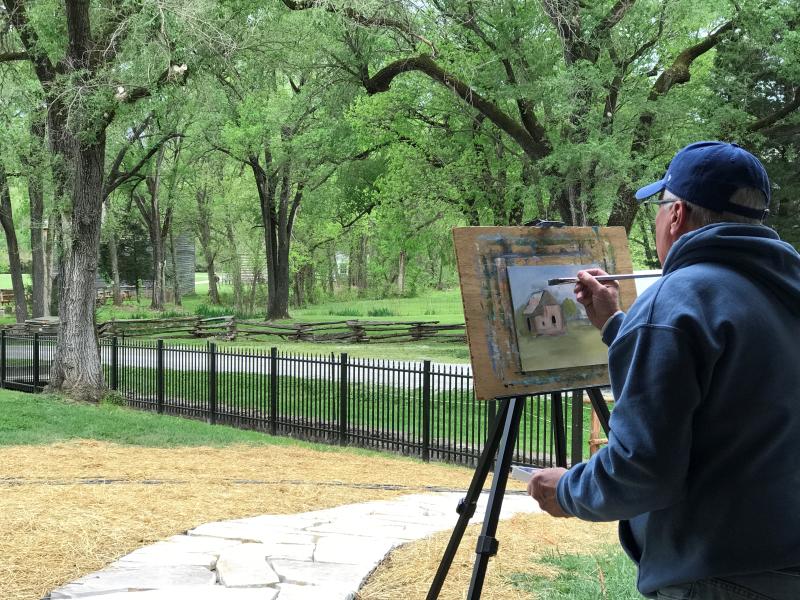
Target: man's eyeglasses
656	202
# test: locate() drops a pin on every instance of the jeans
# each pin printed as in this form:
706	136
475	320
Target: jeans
769	585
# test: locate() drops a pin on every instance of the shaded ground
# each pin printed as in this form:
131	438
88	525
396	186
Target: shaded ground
68	509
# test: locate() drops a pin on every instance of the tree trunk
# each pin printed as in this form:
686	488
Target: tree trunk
236	263
623	213
76	369
308	281
40	305
352	266
362	262
204	231
401	273
278	303
266	185
332	269
54	250
7	220
298	289
157	301
213	291
253	288
112	254
649	254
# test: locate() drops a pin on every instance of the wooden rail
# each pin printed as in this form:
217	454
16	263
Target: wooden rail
355	331
229	328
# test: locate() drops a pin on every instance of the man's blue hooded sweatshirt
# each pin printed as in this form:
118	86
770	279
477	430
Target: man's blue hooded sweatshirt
702	465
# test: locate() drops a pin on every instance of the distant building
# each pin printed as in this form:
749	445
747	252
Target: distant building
185	261
544	314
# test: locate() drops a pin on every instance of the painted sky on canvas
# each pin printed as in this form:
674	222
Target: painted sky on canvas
526	279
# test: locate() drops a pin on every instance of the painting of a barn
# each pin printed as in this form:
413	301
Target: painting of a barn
544	315
551	328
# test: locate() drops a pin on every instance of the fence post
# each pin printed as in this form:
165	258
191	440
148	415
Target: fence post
3	358
212	383
491	415
426	411
114	364
343	388
577	427
160	376
559	429
35	363
273	390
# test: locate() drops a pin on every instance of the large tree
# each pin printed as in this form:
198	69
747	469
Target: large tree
90	59
589	95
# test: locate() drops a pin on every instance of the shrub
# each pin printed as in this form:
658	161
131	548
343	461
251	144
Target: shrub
207	311
381	312
114	399
345	312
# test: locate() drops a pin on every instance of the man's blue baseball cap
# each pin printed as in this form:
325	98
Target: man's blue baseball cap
708	174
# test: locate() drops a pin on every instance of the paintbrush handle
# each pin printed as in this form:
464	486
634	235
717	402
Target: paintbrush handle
560	280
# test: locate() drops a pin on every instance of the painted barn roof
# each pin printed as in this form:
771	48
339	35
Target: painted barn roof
539	300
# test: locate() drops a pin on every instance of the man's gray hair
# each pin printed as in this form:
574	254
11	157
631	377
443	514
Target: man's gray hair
699	216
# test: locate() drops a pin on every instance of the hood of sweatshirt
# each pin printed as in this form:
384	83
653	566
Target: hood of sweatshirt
753	250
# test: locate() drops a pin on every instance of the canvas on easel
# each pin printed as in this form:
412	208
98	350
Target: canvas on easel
525	336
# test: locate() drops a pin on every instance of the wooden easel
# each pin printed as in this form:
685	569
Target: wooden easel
501	441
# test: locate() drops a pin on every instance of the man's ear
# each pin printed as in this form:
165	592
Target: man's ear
678	218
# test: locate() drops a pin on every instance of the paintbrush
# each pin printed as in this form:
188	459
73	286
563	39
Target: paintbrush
560	280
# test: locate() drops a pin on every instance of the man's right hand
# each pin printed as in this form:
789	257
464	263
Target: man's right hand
601	300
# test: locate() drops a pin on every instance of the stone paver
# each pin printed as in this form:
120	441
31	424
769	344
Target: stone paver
320	555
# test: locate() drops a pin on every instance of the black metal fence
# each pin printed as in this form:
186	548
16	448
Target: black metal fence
420	409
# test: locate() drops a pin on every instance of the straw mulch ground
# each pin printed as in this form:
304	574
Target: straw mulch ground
69	509
407	573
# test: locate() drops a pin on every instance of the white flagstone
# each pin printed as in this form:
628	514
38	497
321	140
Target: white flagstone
320	555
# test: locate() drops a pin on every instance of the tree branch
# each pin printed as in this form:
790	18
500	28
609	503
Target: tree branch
345	227
123	177
113	172
239	159
360	19
679	72
12	56
45	71
776	116
613	17
535	147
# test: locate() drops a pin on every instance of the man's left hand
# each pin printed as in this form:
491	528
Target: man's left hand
542	487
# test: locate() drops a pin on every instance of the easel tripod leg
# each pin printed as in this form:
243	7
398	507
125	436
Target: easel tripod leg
487	542
466	507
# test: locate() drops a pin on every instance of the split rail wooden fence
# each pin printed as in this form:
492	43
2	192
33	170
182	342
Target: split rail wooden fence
229	328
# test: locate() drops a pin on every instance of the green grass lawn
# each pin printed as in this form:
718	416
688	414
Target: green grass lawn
457	420
27	419
604	574
5	280
46	419
443	306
